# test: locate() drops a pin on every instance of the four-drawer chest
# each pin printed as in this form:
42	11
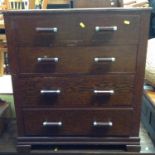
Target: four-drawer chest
78	75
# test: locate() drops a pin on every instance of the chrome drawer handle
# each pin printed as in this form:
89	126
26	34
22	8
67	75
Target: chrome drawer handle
102	124
46	29
46	59
52	124
57	91
110	59
105	28
110	92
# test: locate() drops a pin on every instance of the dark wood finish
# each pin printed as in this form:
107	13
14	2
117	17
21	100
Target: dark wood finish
140	69
109	143
76	91
73	125
71	32
81	58
71	36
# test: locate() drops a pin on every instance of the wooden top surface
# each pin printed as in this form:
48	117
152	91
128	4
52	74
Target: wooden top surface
150	94
118	9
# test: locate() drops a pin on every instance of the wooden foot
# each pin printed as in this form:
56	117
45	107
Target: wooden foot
133	148
23	148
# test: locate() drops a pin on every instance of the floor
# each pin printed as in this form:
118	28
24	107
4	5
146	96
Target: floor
147	145
8	140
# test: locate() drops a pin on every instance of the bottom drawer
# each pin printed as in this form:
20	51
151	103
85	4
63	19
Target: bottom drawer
78	122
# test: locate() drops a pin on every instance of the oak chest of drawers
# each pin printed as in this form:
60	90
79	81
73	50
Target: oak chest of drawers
78	75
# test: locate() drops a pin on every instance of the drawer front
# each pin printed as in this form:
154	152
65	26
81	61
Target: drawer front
75	28
91	60
87	91
78	122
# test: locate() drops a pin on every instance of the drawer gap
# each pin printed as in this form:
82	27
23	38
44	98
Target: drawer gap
74	147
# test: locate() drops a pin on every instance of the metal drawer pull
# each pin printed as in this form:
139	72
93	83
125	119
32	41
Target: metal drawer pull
111	92
46	59
111	59
105	28
50	91
47	29
102	124
54	124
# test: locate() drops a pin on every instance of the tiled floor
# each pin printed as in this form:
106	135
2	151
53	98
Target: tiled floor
8	140
146	143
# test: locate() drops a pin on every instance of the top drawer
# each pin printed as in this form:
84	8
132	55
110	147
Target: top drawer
75	28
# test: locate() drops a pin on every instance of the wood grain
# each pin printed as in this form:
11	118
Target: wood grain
73	125
70	33
76	43
76	92
77	60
